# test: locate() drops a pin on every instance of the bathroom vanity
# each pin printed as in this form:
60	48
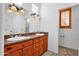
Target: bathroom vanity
31	44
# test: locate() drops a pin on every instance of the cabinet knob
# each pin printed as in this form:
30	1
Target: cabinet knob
9	48
23	45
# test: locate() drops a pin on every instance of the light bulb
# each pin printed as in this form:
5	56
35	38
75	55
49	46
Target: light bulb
17	13
13	8
28	20
9	10
22	11
38	17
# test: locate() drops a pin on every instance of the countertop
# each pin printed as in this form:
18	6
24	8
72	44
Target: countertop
6	42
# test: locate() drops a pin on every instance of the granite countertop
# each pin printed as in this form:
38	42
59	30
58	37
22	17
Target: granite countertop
7	42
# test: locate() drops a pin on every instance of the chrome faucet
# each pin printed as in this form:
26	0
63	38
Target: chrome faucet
11	35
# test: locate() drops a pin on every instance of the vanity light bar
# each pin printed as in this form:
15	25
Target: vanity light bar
14	8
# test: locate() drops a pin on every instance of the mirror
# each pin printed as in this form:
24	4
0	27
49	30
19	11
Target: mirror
65	18
14	23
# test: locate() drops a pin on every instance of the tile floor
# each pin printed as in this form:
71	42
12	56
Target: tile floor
62	52
78	52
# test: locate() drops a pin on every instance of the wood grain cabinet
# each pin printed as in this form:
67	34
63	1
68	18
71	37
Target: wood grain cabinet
34	47
14	50
45	43
28	48
16	53
41	46
28	51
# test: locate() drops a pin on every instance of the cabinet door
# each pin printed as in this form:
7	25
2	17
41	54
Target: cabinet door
15	53
45	44
28	51
41	50
36	49
41	47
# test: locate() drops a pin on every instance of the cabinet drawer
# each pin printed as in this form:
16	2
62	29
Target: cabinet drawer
27	43
36	40
36	45
12	48
16	53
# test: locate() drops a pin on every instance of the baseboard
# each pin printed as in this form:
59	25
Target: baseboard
68	48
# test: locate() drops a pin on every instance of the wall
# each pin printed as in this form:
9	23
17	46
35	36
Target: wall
2	28
70	37
50	22
1	48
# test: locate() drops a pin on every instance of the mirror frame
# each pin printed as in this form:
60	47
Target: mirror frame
60	15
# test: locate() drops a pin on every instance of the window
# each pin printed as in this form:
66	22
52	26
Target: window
65	18
34	9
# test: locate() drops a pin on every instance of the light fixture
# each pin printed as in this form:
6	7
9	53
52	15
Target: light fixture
9	10
28	20
17	13
16	9
13	7
34	16
21	10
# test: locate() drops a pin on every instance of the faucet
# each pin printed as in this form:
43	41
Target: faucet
11	35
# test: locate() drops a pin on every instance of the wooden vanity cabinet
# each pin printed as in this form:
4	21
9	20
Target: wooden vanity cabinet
33	47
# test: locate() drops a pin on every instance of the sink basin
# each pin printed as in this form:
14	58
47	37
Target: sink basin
39	34
19	38
23	37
